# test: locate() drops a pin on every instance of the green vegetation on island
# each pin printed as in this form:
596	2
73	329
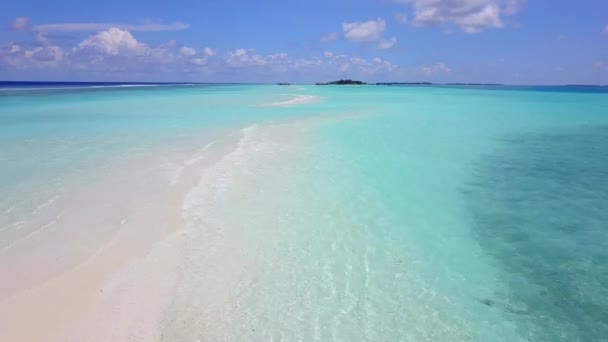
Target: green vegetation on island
403	83
343	82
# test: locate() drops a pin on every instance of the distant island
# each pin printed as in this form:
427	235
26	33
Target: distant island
474	84
283	83
584	85
343	82
403	83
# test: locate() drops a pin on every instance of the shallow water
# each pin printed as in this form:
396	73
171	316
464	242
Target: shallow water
345	213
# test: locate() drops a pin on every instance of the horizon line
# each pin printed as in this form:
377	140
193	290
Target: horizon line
419	83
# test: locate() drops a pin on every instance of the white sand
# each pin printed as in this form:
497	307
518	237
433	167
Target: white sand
105	269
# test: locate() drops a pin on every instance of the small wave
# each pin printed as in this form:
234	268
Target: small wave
217	177
296	100
48	202
177	172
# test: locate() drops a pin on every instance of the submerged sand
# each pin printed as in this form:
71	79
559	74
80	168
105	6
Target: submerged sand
108	267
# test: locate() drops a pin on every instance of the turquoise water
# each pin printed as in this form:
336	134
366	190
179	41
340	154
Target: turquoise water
354	213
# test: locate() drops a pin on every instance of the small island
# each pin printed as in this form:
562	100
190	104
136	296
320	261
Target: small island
283	83
403	83
343	82
474	84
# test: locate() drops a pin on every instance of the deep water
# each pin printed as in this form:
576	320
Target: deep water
539	208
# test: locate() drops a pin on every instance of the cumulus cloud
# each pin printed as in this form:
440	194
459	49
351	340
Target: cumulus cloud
198	59
330	37
438	68
111	50
118	51
11	55
240	58
19	57
209	51
41	39
112	42
187	51
46	55
339	65
472	16
21	24
369	32
386	43
245	58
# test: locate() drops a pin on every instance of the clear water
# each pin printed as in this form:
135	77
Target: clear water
357	213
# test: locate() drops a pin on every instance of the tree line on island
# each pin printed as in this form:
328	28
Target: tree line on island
342	82
353	82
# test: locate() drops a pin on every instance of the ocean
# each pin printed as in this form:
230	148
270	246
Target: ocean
209	212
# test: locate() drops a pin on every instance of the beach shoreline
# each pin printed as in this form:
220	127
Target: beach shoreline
61	279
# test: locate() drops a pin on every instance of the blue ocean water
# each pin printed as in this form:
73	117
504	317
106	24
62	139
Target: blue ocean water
444	213
544	220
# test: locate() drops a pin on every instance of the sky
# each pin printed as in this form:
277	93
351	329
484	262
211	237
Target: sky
472	41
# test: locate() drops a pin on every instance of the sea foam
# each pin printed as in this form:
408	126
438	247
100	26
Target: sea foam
295	100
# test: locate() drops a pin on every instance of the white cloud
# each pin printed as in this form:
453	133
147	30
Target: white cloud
209	51
359	61
112	50
242	58
438	68
249	59
42	39
349	67
118	51
386	43
187	51
367	31
19	57
21	24
11	55
472	16
91	27
606	29
282	56
511	7
112	42
329	37
51	55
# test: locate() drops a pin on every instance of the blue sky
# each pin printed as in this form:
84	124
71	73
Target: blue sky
502	41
